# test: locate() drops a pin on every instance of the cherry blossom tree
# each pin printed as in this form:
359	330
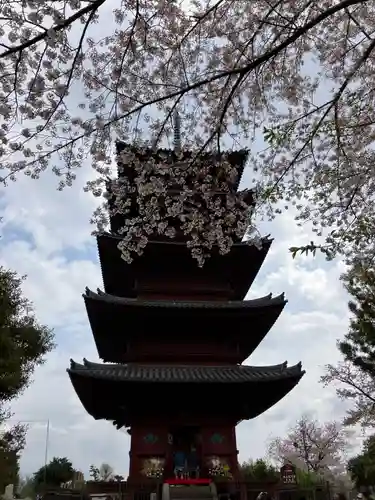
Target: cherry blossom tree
357	388
103	473
295	74
106	472
313	447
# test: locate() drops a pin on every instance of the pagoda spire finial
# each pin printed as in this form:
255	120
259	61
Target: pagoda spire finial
177	131
177	118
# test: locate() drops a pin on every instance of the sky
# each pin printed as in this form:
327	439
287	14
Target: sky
46	235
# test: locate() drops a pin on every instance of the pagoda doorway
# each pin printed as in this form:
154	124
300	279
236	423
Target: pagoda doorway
185	452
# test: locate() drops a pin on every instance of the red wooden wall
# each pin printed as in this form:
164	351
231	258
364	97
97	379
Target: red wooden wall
153	440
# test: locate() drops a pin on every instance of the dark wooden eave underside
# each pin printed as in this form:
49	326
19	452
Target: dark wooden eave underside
237	269
122	392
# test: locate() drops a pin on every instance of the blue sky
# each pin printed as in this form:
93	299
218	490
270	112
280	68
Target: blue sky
46	235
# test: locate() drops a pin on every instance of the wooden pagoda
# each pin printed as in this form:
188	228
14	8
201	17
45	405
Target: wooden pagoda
173	338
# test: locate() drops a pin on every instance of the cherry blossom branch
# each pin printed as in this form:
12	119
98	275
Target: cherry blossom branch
240	71
243	68
92	7
344	374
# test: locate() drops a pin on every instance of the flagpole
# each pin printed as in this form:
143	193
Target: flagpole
46	454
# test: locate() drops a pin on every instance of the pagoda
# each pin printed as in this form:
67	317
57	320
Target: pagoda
173	338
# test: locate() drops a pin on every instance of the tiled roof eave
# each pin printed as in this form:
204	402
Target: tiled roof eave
268	300
266	240
92	364
185	374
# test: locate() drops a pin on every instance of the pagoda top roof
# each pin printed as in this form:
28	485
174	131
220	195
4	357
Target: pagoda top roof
235	158
184	374
267	300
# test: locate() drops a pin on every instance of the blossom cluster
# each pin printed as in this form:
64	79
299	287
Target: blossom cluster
219	469
163	194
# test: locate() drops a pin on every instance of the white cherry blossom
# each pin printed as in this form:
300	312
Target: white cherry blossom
301	71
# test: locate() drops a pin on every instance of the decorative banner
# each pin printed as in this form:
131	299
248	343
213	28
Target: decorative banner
218	467
150	438
153	467
288	474
217	438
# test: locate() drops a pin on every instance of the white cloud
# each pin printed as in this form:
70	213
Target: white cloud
47	236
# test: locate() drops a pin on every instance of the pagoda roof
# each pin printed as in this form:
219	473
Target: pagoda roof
116	321
164	260
110	391
183	374
236	158
169	157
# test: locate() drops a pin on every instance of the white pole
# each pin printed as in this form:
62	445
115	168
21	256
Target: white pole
47	444
46	454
